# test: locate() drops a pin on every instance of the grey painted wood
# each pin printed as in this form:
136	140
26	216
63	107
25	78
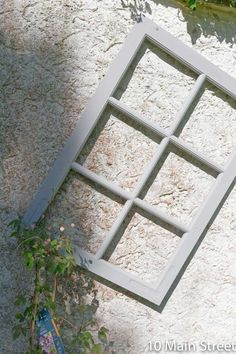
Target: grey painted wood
160	132
189	57
84	127
157	295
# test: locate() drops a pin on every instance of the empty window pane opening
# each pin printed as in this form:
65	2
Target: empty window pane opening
134	193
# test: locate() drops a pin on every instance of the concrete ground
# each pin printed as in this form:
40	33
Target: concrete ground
53	54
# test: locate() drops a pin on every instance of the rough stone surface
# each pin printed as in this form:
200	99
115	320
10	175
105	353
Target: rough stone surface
53	54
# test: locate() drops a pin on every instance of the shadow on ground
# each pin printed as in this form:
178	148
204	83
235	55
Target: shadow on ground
203	21
34	123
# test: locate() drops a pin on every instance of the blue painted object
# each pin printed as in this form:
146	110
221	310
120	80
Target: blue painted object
49	337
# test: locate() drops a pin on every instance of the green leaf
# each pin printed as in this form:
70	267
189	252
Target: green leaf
14	223
192	4
87	339
28	311
20	317
60	268
53	243
97	349
29	260
20	300
14	234
50	304
17	331
102	334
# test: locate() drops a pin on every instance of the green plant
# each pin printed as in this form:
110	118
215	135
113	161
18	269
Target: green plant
192	4
230	3
59	286
139	7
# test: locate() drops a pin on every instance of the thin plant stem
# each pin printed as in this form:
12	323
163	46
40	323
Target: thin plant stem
35	301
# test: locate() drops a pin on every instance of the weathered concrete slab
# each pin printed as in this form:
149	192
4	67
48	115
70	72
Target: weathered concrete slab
52	57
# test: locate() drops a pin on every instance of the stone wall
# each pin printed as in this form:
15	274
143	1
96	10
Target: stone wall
53	54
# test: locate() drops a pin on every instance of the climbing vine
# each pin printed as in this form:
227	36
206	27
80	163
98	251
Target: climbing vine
60	287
